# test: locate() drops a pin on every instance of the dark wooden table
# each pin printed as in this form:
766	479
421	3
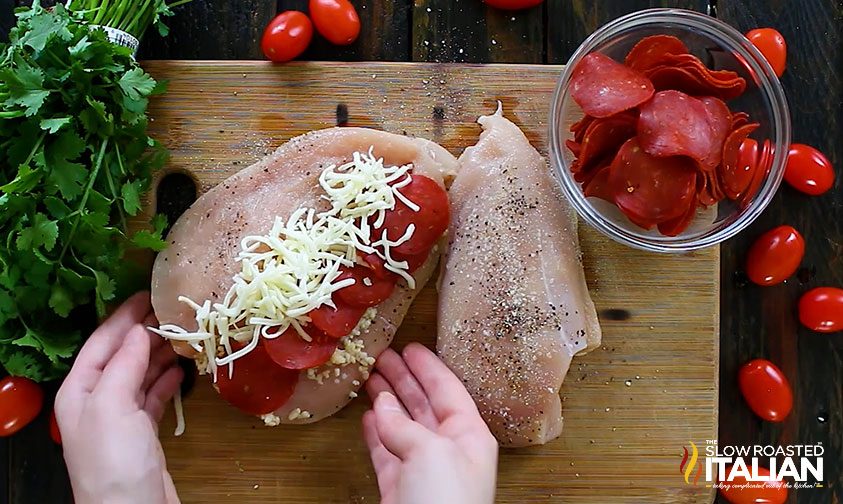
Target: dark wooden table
756	322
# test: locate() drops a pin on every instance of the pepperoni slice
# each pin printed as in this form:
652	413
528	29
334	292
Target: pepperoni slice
574	147
368	289
720	122
737	176
579	127
598	186
291	351
731	153
739	119
414	262
430	221
337	322
258	385
675	227
603	137
765	161
650	51
696	80
651	189
603	87
705	193
375	264
675	124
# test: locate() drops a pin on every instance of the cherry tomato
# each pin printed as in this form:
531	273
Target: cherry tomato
775	256
766	390
754	492
808	170
55	434
21	400
291	351
512	4
821	309
258	385
336	20
287	36
430	221
336	323
368	289
772	45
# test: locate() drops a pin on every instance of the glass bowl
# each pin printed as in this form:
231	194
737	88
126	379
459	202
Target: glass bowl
720	47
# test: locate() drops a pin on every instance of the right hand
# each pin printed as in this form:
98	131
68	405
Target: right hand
426	438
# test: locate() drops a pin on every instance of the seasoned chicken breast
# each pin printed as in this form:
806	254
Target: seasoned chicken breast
200	260
513	303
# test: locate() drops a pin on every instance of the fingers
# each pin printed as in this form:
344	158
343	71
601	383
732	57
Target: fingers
398	433
161	358
445	391
392	367
124	373
162	391
377	384
108	338
386	464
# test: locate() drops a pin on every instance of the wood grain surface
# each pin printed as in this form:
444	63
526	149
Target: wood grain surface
629	406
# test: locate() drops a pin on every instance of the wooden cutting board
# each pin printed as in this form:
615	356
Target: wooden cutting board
630	406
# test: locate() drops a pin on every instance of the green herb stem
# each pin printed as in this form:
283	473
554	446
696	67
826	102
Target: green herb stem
84	202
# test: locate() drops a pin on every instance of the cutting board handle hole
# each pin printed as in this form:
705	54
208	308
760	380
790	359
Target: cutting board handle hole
175	193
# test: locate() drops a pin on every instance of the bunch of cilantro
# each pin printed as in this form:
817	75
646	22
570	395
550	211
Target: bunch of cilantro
75	159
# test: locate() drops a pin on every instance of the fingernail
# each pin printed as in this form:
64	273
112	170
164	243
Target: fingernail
388	402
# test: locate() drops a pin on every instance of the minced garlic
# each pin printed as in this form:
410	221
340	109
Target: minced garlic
271	419
298	414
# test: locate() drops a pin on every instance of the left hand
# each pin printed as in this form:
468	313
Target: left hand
109	407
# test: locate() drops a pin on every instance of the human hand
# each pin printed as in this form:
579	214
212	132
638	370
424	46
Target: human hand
109	406
432	446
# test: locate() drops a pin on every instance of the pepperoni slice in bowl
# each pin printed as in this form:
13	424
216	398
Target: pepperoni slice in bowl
602	87
579	127
649	51
739	119
649	189
674	227
258	385
696	80
603	137
598	186
675	124
737	181
765	162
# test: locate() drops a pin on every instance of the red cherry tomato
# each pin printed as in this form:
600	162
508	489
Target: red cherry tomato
821	309
287	36
258	385
754	492
336	20
512	4
291	351
775	256
336	323
766	390
55	434
430	221
21	400
368	289
808	170
772	45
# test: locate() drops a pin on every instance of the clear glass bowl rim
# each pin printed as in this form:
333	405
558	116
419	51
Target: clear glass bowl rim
720	33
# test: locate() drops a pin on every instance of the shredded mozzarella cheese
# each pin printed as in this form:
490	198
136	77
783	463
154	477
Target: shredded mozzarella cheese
179	409
294	269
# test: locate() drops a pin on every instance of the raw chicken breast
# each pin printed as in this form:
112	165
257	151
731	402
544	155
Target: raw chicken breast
513	303
200	260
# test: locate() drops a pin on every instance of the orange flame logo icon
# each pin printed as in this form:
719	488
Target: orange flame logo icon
686	467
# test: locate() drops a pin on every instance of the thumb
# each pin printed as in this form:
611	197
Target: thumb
124	373
399	434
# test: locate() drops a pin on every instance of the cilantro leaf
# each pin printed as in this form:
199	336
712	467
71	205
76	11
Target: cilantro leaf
60	300
25	86
68	177
54	124
42	27
131	196
136	84
43	232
